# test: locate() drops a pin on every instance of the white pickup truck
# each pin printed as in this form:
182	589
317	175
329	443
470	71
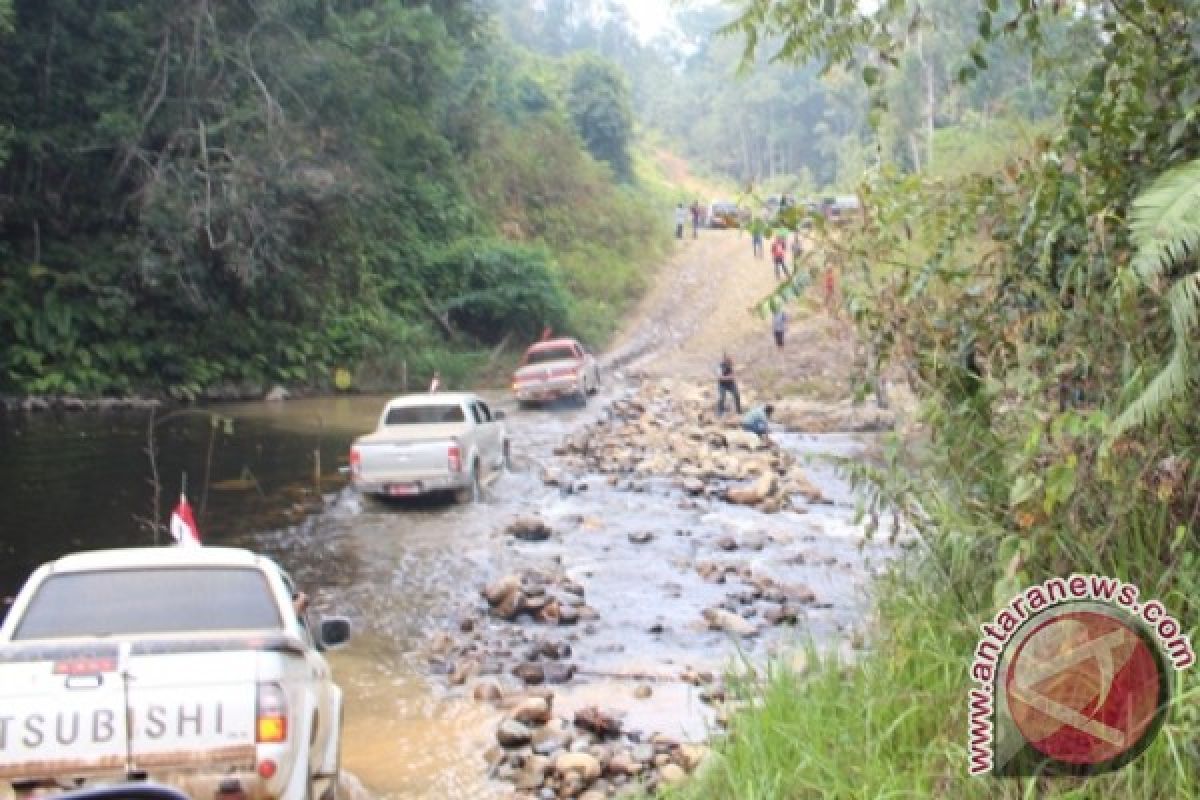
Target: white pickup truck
196	667
436	442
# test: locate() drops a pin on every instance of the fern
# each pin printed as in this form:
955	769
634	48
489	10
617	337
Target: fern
1165	231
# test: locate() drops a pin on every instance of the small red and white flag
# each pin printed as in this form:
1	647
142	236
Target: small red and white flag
183	524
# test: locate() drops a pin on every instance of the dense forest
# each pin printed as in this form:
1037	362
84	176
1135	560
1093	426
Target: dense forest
232	194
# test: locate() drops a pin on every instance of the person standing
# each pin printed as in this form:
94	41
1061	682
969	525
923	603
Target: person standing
756	237
695	219
779	257
727	384
779	326
797	251
435	385
680	220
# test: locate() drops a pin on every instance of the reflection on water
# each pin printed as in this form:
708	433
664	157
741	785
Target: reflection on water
81	481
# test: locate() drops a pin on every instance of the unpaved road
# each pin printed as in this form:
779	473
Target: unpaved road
411	575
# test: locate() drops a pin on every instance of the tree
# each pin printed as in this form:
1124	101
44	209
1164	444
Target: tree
598	102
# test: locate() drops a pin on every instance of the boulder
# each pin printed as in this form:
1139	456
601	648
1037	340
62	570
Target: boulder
512	734
498	590
585	764
532	711
529	529
755	493
721	620
595	721
672	774
277	395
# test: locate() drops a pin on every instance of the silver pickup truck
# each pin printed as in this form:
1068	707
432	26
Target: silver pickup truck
426	443
191	666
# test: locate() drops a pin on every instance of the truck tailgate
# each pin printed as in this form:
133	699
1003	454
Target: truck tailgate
407	452
96	711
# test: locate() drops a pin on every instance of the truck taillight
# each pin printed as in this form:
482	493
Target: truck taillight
355	461
454	457
271	724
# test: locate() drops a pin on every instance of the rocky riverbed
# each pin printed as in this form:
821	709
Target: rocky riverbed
667	543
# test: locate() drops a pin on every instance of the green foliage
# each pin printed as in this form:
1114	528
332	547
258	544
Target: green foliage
1165	232
598	101
211	193
497	289
1032	301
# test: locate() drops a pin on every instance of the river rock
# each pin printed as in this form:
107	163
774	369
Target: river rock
558	673
529	529
721	620
495	592
595	721
623	763
643	692
509	607
693	486
755	493
512	734
585	764
277	395
641	537
487	692
532	711
530	674
727	543
672	774
693	755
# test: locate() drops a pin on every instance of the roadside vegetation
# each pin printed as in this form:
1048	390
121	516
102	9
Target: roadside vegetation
208	195
1038	291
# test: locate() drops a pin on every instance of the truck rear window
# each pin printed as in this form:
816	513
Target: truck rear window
551	354
424	415
139	601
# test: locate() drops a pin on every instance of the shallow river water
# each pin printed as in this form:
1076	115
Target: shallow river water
403	573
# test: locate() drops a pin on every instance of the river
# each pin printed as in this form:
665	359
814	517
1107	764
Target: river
403	573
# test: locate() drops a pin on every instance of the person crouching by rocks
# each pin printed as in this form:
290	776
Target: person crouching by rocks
758	420
727	383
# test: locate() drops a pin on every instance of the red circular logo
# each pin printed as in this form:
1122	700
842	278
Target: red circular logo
1085	688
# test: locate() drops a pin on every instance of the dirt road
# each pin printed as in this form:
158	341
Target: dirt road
702	305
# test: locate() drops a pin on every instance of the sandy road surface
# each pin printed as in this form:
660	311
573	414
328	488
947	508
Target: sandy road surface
702	304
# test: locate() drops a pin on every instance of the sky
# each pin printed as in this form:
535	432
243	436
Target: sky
651	16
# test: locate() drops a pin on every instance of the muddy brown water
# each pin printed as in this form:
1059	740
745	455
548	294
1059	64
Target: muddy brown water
404	572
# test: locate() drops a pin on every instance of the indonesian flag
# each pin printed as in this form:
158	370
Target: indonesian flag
183	524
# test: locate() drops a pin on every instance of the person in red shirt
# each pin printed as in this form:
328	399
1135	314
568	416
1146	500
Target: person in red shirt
779	256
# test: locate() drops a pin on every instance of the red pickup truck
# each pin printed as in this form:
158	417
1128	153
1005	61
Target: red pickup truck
556	368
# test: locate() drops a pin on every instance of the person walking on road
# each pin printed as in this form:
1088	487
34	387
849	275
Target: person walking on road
779	257
680	220
756	237
727	384
779	326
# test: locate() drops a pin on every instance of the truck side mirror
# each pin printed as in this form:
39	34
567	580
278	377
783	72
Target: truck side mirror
335	632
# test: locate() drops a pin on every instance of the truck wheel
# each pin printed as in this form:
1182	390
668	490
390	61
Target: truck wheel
473	491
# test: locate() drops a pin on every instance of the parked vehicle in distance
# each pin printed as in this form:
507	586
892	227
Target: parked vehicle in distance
724	214
556	368
195	667
435	442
